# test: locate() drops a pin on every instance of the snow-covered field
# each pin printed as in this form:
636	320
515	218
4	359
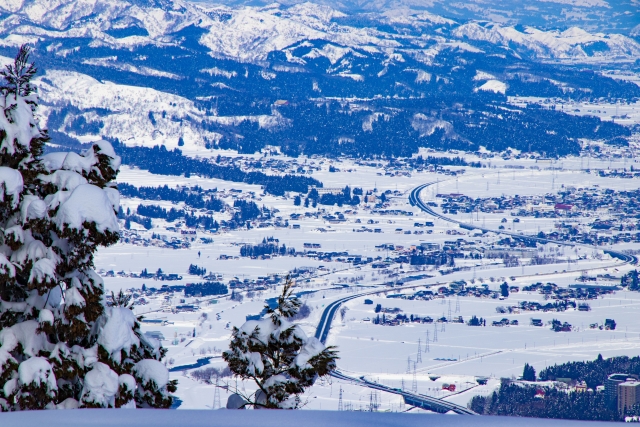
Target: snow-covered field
160	418
385	353
381	353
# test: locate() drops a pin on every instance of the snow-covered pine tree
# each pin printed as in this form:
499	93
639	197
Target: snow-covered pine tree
60	347
278	356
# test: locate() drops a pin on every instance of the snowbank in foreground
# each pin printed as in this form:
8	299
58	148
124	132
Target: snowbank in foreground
265	418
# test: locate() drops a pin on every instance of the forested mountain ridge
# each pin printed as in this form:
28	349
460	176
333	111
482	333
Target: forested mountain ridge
311	79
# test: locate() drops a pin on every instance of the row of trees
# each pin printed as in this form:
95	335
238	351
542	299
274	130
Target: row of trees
246	210
345	198
477	321
196	271
266	249
159	160
155	211
194	197
205	221
545	402
419	161
436	258
631	281
145	213
550	402
205	289
595	372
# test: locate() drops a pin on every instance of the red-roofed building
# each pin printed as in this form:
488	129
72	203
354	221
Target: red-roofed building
563	207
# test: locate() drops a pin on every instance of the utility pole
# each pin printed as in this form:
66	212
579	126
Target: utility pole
340	408
435	332
373	402
216	396
419	357
457	303
426	348
414	384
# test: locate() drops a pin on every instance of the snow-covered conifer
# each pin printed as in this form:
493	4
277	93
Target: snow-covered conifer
60	347
278	356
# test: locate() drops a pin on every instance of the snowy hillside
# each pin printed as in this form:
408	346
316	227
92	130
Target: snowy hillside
574	43
249	34
595	15
135	115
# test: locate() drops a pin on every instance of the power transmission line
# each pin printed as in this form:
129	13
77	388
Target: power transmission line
216	396
414	384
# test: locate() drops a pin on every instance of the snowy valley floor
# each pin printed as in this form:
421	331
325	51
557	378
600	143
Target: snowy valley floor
382	353
163	418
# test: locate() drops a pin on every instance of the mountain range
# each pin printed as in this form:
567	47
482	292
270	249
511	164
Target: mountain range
311	78
619	16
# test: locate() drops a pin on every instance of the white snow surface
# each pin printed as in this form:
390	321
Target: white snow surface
494	86
16	119
116	331
64	180
482	76
100	385
312	347
43	270
25	334
11	182
152	370
32	208
237	418
37	370
45	316
68	403
87	203
73	297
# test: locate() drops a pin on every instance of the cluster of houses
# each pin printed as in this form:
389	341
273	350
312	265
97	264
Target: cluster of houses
262	283
575	291
569	200
133	237
399	319
563	297
144	274
613	212
274	164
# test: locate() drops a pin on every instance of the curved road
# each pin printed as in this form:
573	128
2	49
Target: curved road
413	399
414	200
427	402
